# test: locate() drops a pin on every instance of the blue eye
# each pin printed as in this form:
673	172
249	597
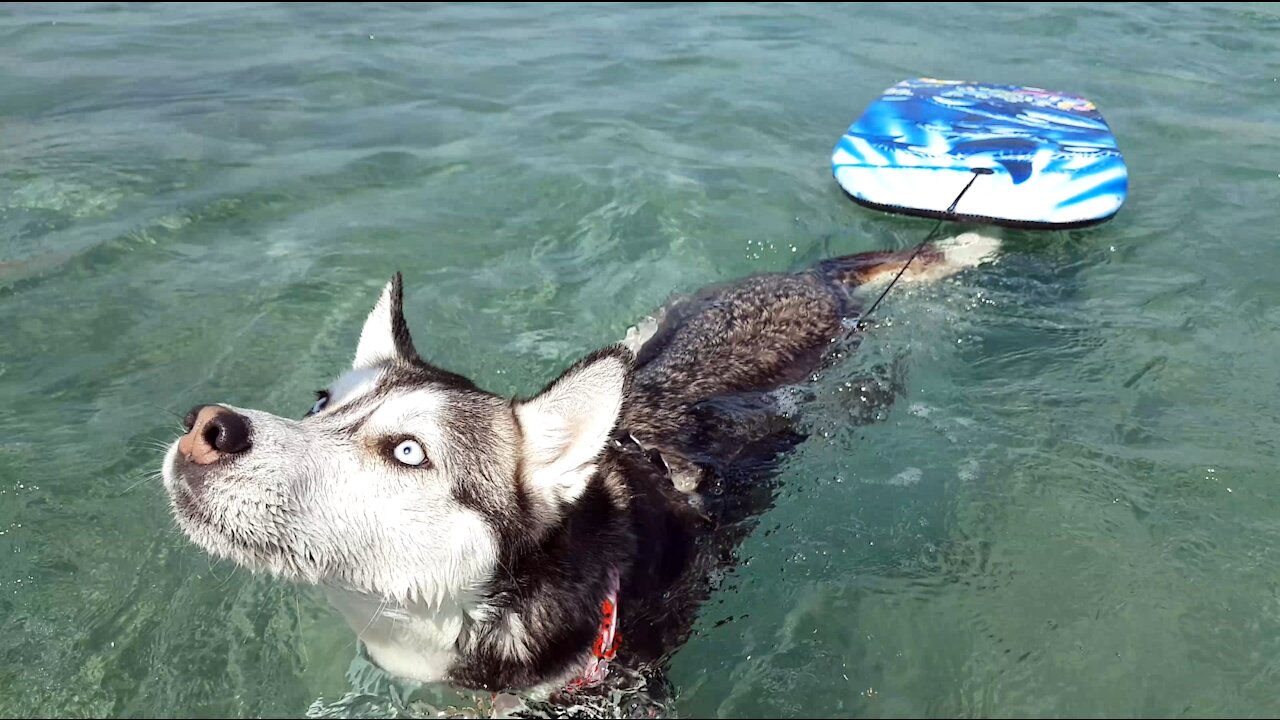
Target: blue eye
410	452
322	399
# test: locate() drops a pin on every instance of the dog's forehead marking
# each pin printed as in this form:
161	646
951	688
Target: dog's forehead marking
415	412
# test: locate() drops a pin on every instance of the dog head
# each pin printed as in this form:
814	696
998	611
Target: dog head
405	481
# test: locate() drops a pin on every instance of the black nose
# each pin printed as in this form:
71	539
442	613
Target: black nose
219	429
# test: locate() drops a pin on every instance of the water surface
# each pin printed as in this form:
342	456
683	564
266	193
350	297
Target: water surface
1071	510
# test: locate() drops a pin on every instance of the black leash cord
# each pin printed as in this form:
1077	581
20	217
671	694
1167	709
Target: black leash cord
951	209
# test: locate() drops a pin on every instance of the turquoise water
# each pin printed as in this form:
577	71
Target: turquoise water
1072	510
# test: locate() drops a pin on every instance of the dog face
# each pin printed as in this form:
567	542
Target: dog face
406	482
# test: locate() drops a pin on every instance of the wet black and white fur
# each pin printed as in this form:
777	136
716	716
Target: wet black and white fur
484	565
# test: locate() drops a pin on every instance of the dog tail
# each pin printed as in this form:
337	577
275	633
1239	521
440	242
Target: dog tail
936	261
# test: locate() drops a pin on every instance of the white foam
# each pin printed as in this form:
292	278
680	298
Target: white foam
969	249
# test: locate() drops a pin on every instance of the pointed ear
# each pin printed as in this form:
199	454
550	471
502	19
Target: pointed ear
385	334
566	426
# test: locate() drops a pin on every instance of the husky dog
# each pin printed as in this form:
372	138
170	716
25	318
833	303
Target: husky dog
517	544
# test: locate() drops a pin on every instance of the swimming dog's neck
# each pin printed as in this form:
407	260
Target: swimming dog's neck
409	639
539	620
536	623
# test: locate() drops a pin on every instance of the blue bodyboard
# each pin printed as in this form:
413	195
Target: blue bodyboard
1052	159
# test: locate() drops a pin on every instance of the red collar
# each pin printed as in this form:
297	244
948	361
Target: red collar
607	642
